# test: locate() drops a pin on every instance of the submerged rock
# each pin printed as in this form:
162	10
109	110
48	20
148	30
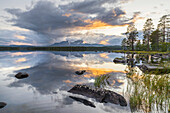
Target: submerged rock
84	101
80	72
21	75
101	95
2	104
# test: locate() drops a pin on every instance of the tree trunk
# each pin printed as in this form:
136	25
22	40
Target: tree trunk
148	44
132	45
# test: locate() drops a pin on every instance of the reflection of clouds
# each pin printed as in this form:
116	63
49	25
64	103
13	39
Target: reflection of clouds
20	53
56	70
56	73
21	60
104	55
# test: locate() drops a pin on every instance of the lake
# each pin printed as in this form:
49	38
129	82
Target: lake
52	74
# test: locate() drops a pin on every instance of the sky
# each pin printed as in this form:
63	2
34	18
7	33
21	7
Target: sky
44	22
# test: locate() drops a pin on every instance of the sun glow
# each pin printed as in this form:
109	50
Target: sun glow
105	42
20	37
18	43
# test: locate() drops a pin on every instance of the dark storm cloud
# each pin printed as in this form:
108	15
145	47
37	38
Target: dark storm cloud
90	6
113	17
43	17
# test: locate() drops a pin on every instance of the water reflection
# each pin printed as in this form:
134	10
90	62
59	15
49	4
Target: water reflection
51	72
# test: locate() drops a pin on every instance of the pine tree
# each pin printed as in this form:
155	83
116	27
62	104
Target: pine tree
138	45
164	28
155	40
131	36
124	42
147	30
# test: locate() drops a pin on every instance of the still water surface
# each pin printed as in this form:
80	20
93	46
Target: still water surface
51	75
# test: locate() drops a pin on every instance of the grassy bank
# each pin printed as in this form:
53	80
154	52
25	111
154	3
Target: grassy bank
140	52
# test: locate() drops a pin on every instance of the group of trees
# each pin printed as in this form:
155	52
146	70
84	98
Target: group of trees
153	39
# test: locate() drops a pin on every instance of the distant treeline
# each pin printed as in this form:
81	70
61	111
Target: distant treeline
106	48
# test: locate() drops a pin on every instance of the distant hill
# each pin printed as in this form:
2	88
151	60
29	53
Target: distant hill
75	43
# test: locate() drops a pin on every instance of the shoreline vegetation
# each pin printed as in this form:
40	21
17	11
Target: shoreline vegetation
68	48
115	49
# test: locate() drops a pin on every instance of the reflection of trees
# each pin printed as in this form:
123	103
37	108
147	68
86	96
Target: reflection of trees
149	92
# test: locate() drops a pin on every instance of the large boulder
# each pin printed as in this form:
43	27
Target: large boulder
21	75
118	60
101	95
2	104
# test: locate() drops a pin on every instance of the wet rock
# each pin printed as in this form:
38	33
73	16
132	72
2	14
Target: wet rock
21	75
101	95
80	72
118	60
84	101
127	52
2	105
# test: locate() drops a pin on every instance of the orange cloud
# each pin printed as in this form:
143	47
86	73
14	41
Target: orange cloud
18	43
20	37
67	81
67	14
21	60
105	42
98	24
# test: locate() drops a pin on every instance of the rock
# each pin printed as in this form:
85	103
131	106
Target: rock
116	60
2	104
80	72
84	101
101	95
21	75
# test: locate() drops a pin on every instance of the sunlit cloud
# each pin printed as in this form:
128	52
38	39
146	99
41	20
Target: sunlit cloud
21	60
18	43
20	37
67	14
104	42
67	81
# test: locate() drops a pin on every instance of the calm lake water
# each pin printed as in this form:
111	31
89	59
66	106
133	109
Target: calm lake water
51	75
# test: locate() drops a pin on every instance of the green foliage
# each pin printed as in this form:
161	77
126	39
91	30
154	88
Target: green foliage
101	81
155	40
150	93
131	36
147	30
139	46
124	43
164	46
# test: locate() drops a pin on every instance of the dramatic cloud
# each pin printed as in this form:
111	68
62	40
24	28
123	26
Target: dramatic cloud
57	23
43	17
